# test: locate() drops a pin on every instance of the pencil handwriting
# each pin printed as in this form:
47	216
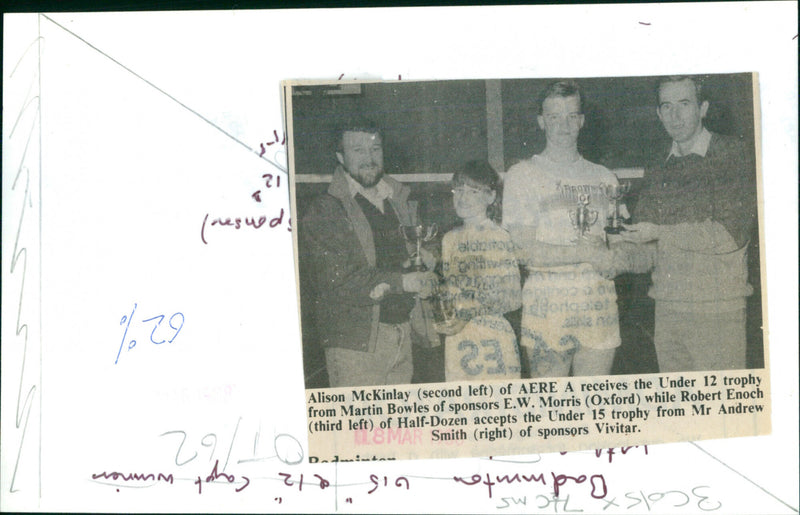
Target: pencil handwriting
28	116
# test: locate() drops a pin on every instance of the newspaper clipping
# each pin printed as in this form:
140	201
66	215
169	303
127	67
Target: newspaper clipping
513	266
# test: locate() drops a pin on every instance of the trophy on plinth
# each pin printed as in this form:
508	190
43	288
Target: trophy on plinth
444	309
418	234
582	217
615	193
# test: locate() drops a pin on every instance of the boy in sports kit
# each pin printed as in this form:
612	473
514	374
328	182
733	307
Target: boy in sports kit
555	210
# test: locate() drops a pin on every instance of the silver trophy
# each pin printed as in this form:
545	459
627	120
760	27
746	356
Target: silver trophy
615	193
444	309
582	217
418	234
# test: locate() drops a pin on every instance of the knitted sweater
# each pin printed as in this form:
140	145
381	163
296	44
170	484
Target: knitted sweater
706	207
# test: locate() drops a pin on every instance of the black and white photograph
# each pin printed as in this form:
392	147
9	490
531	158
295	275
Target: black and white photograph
476	230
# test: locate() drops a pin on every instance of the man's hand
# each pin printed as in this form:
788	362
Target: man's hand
428	258
422	283
641	232
379	291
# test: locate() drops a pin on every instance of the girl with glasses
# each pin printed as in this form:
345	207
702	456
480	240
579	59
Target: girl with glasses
481	282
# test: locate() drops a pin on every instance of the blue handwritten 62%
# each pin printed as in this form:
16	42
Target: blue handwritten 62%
158	334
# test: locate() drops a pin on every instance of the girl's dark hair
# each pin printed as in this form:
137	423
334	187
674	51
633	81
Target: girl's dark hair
481	174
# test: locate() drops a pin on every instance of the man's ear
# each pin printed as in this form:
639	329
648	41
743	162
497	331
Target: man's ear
540	119
340	158
703	108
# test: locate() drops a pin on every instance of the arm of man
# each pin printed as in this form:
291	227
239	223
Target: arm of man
336	259
735	194
633	258
732	200
539	254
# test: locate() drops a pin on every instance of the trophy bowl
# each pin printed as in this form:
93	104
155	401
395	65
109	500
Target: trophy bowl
417	235
614	193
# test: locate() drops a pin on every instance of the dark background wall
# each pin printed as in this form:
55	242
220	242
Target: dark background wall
429	127
435	127
621	129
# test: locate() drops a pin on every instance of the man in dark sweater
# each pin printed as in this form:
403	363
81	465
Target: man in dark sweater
366	309
694	217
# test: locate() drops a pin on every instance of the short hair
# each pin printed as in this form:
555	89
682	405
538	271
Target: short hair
355	124
480	173
563	89
697	81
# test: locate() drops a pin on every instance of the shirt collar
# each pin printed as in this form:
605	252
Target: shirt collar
375	195
700	146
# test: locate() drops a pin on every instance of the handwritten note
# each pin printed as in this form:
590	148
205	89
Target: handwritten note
129	344
22	352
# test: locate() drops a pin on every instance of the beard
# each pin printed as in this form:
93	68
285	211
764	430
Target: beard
367	176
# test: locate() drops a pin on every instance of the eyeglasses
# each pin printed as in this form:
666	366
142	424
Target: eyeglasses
468	191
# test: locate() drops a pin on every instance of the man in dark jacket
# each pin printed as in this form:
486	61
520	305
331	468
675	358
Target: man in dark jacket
365	307
696	213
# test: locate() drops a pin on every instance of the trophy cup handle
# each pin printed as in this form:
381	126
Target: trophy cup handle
433	230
